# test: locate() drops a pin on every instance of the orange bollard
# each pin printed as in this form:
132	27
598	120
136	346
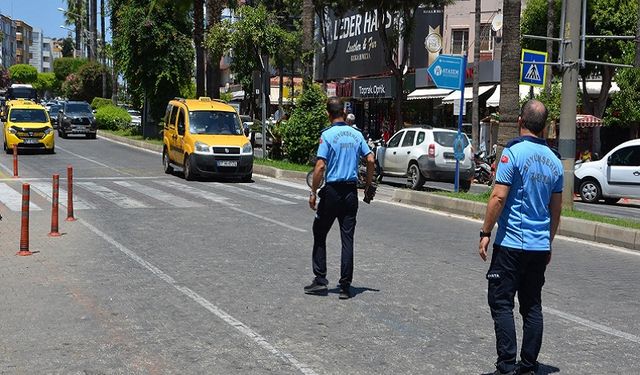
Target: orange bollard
54	207
70	194
15	161
24	228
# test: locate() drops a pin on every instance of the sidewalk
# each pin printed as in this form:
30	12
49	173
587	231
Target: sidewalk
571	227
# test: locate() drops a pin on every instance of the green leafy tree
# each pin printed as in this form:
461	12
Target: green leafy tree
90	76
67	47
153	49
46	83
301	132
64	66
23	73
624	110
72	87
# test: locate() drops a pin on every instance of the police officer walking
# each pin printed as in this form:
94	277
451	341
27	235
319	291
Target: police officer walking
341	147
526	201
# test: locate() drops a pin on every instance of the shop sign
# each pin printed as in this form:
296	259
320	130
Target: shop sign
374	88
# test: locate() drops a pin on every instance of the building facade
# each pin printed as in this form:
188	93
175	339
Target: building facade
24	40
35	50
47	54
8	45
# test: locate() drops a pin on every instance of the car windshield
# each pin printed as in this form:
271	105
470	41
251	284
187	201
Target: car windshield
214	122
78	108
27	115
54	109
446	138
21	93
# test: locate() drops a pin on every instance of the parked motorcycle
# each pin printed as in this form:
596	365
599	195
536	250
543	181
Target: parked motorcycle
485	167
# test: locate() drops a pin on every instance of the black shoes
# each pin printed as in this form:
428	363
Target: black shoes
345	292
316	288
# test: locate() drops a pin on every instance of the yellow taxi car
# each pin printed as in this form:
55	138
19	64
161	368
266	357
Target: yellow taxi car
27	126
204	137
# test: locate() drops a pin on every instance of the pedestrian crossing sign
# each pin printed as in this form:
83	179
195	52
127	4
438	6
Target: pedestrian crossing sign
533	74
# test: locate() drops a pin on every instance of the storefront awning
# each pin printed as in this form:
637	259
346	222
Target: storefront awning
468	94
588	121
494	99
433	93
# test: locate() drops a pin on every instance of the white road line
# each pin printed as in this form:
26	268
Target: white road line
286	183
117	198
158	194
46	190
224	201
93	161
209	306
196	192
279	192
237	189
7	169
13	200
592	325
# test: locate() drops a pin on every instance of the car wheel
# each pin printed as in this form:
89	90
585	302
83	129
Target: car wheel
189	175
590	191
247	178
465	185
166	162
415	177
611	200
91	136
52	150
379	172
62	134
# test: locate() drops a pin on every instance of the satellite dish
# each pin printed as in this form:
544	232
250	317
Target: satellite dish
496	23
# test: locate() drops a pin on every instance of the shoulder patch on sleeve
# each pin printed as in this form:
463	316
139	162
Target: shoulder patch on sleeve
504	159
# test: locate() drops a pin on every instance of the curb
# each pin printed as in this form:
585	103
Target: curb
131	142
570	227
277	173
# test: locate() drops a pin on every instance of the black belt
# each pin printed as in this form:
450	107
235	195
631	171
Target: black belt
342	183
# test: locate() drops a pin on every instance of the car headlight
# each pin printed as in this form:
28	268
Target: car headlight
48	130
247	149
13	131
202	147
577	166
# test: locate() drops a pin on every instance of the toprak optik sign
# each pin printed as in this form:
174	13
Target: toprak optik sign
383	87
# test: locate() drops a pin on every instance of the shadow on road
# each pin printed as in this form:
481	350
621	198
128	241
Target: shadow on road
354	290
542	370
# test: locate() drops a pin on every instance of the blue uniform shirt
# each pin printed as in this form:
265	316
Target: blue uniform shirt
342	146
534	172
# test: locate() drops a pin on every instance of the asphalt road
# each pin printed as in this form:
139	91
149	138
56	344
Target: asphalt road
164	276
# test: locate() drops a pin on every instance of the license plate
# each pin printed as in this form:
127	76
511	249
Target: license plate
227	163
30	141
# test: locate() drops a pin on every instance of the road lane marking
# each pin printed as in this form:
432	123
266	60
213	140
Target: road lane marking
592	325
158	194
224	201
13	200
75	178
93	161
45	189
237	189
279	192
117	198
209	306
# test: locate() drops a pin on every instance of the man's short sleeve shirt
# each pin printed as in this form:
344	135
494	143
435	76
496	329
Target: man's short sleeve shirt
342	146
534	172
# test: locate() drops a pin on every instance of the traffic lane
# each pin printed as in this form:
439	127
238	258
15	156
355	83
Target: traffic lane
621	210
406	291
401	182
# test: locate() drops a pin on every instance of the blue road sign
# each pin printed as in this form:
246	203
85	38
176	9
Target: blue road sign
531	73
448	72
458	147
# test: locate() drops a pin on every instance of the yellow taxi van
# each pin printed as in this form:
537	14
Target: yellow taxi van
205	138
27	126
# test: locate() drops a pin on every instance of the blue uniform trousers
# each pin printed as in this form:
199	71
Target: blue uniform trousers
511	271
339	200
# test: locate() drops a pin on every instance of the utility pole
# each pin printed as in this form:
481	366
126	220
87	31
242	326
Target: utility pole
567	139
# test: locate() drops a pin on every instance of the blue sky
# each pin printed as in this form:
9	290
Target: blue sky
43	14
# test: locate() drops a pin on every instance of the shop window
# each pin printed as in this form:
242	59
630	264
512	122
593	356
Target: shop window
408	139
459	41
487	36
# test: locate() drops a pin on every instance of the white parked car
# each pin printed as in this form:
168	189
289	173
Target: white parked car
615	176
136	118
425	153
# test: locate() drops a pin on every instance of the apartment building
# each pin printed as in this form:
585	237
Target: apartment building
8	45
24	40
35	50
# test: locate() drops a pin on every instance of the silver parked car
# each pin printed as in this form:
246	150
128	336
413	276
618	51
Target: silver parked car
425	153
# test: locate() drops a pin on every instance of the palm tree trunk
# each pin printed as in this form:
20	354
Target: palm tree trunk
307	40
510	74
475	111
214	12
93	32
551	18
78	23
102	51
198	38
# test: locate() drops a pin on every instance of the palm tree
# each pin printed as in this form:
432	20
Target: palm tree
475	111
214	12
198	40
73	16
308	16
510	73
